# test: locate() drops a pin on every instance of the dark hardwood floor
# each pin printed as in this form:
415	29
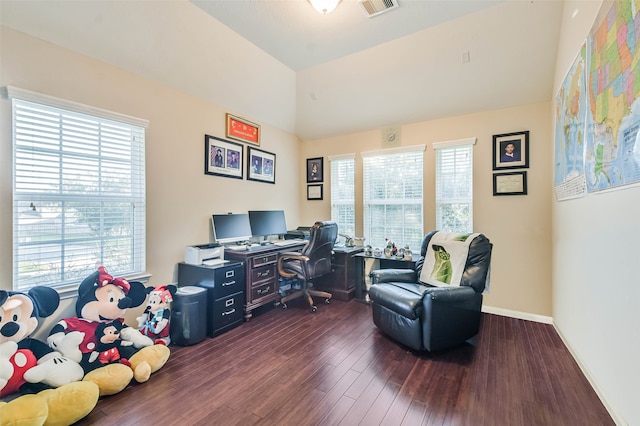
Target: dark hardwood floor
333	367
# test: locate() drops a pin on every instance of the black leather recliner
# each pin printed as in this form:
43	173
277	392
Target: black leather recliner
425	317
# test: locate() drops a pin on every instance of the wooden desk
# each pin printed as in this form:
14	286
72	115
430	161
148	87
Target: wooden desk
385	263
261	272
341	281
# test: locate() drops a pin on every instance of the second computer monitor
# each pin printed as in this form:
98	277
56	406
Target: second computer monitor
267	222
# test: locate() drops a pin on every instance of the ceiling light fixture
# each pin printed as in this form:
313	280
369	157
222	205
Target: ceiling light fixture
324	6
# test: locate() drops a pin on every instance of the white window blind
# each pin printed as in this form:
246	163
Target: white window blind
393	200
454	185
343	193
78	195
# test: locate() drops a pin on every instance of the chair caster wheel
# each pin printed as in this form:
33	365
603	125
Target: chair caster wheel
284	306
314	308
327	301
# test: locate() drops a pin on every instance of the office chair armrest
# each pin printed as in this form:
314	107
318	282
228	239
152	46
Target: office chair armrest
391	275
290	255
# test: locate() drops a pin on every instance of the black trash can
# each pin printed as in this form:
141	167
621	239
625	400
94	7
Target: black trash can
189	316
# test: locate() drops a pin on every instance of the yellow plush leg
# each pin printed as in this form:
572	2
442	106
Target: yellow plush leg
148	360
111	378
70	403
27	410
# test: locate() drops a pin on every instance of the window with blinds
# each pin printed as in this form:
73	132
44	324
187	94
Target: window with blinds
343	193
454	185
78	195
393	200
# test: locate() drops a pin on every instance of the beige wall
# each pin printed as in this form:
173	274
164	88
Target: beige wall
180	197
518	226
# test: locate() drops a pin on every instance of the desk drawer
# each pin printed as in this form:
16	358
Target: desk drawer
264	273
267	259
263	290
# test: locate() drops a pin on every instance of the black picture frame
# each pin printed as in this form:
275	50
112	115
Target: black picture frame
315	169
223	157
520	158
314	192
510	183
261	165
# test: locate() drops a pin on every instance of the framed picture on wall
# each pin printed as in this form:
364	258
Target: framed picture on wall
511	183
511	151
222	157
242	130
315	169
314	192
261	166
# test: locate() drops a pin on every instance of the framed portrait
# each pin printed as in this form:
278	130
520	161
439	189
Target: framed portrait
314	192
315	169
511	151
511	183
242	130
222	157
261	166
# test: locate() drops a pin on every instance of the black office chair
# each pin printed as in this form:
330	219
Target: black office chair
312	262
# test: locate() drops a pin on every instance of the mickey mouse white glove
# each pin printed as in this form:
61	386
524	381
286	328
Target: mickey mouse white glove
138	339
55	370
67	344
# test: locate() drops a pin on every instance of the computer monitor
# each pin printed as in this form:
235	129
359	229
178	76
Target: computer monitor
231	228
267	222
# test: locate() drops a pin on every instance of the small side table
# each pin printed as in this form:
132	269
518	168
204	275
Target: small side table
385	263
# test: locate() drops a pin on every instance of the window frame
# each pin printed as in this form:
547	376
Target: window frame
134	135
441	199
337	199
401	239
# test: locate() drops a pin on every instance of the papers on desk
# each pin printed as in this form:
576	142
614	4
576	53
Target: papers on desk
213	262
282	243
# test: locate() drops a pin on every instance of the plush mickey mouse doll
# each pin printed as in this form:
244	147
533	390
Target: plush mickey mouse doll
109	343
29	365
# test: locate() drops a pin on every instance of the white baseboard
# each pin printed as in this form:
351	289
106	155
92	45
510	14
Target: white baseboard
517	314
592	381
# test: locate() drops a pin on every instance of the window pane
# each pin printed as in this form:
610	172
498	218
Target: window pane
343	195
454	188
78	196
393	199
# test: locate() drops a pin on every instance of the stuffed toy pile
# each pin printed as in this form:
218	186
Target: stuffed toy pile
110	353
42	385
85	357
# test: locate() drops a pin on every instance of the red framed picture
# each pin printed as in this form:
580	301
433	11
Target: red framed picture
242	130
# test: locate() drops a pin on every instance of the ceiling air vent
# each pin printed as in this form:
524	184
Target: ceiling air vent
376	7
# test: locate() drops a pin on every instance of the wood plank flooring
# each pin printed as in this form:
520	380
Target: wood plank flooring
333	367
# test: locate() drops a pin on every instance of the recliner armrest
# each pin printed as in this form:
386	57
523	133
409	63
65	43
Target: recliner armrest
451	295
391	275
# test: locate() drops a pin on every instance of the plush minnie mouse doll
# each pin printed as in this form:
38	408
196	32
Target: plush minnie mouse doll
154	322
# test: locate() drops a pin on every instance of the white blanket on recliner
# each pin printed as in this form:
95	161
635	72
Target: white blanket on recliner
446	258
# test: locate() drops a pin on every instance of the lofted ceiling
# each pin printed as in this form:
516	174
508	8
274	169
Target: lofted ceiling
318	75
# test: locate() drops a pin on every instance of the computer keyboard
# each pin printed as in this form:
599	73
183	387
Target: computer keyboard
236	247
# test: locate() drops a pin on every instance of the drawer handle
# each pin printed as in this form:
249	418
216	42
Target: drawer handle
228	303
228	283
230	274
228	312
263	291
264	274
